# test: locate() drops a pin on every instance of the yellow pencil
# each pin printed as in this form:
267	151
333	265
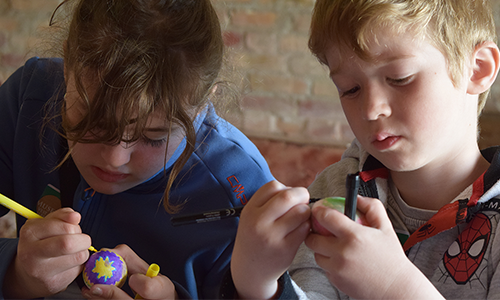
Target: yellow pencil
23	211
153	270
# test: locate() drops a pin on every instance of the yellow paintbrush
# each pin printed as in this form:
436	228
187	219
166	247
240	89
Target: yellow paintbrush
23	211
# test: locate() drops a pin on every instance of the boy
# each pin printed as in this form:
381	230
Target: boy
412	78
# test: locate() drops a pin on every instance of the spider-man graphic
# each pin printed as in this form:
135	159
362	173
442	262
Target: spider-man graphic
465	254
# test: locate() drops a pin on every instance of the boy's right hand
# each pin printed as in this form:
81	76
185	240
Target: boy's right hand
50	255
367	261
272	226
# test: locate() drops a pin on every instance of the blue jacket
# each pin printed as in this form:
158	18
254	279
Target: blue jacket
224	171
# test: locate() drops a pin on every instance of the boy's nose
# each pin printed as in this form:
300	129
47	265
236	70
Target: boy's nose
375	104
117	155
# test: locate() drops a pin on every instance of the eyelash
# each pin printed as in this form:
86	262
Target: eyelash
350	92
154	143
398	82
401	81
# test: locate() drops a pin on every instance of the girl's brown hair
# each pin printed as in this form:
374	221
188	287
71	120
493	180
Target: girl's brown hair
146	56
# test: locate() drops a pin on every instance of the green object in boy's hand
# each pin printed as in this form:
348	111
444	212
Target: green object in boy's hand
337	203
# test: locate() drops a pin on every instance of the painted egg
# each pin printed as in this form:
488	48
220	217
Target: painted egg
337	203
105	267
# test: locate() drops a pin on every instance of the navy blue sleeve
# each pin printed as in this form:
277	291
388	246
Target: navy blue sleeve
22	97
8	249
9	110
22	102
182	293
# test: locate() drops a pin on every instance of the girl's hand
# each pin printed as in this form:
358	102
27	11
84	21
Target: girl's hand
272	226
366	261
158	287
49	257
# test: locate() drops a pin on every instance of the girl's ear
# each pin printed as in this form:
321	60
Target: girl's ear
485	64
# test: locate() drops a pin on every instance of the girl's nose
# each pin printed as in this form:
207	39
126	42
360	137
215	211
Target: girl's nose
117	155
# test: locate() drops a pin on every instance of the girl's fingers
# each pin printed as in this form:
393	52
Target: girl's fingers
135	264
67	215
60	245
159	287
102	291
40	229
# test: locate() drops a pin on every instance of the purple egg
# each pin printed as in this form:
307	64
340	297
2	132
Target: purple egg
105	267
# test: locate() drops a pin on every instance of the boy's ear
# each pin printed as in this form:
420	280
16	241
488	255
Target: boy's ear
485	65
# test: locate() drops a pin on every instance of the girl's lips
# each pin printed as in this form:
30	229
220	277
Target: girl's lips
107	176
385	142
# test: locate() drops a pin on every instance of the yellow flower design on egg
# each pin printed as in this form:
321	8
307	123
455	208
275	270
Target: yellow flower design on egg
104	268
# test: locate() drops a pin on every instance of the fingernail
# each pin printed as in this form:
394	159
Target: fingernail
304	208
321	212
96	291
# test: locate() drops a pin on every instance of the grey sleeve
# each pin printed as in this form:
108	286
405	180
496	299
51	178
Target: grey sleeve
309	280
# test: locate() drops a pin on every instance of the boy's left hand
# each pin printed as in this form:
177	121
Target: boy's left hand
366	261
272	226
158	287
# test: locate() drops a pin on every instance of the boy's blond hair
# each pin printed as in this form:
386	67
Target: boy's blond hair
455	27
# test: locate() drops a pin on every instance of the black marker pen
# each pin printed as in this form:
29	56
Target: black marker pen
214	215
208	216
351	187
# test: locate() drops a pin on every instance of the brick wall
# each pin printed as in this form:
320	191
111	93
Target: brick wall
286	93
21	22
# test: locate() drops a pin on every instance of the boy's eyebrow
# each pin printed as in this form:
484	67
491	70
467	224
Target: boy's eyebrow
334	71
375	60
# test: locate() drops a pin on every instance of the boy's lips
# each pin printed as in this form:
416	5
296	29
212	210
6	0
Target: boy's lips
107	176
384	141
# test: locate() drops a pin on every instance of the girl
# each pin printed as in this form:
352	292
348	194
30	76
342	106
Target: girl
130	105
